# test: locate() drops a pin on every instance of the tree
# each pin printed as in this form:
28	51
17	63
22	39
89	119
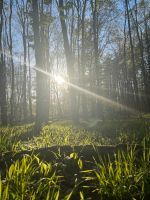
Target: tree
135	83
42	87
70	62
3	102
21	10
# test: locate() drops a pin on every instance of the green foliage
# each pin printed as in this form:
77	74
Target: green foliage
122	176
60	134
10	136
132	128
125	177
30	178
64	133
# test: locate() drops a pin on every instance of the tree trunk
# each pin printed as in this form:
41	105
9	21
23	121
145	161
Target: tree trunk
42	107
98	108
143	70
3	102
82	67
132	58
12	98
70	62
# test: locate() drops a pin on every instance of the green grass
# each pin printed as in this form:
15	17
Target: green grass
64	133
125	176
29	178
10	136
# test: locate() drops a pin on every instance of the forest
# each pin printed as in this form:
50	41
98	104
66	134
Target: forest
74	99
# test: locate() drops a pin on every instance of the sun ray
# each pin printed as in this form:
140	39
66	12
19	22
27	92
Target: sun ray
60	81
92	94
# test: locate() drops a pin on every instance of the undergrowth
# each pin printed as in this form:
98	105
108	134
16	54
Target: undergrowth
126	176
102	133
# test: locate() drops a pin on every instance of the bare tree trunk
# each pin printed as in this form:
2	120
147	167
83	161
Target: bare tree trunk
3	102
82	67
12	98
128	98
24	76
29	86
70	62
132	57
22	18
143	70
42	111
98	108
29	74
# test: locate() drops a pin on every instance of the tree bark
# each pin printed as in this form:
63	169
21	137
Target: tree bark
12	98
98	108
143	70
3	101
42	103
132	57
70	62
82	67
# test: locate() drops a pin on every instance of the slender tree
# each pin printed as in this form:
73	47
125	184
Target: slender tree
21	10
3	102
132	55
10	44
69	60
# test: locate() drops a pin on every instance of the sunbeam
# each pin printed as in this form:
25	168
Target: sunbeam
60	80
92	94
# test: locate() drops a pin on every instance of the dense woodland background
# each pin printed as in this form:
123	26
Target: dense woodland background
102	46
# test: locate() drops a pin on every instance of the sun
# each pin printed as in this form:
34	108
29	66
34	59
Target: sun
59	80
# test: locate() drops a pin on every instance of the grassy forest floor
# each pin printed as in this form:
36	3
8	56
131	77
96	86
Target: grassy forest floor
91	160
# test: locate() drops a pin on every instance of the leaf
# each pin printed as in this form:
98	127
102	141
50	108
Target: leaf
11	170
88	171
80	163
48	195
81	196
5	193
44	168
57	195
68	196
37	159
74	156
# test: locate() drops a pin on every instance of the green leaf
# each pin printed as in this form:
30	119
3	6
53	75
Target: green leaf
5	193
37	159
57	195
80	163
68	196
81	196
74	156
48	195
11	170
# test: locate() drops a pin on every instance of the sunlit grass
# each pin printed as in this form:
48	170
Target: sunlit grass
29	178
64	133
10	136
127	177
124	177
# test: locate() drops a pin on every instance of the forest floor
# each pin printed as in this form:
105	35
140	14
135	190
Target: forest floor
92	160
